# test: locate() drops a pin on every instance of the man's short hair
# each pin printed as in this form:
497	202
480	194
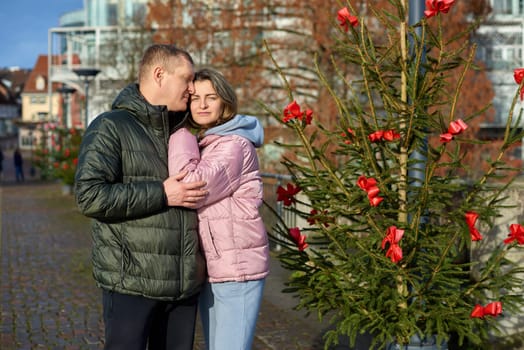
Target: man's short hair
160	54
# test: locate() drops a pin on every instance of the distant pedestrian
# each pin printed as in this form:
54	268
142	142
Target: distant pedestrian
19	165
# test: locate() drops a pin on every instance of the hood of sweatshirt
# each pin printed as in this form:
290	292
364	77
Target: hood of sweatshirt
246	126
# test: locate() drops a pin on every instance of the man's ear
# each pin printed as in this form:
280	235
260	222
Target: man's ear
158	75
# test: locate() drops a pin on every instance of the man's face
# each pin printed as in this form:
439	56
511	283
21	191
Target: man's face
179	84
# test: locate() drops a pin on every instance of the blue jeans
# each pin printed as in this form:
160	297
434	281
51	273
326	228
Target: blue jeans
229	312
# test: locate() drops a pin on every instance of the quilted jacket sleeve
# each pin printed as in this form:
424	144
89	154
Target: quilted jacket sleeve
105	188
220	165
183	151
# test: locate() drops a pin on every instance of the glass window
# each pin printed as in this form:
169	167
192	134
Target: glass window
112	15
139	13
503	7
26	140
40	83
510	53
497	54
38	99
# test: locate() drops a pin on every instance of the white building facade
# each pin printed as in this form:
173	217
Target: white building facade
93	39
501	45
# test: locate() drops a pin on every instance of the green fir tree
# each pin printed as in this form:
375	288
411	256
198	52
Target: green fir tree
390	223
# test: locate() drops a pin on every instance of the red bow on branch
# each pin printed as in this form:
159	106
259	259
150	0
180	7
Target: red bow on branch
345	19
393	237
287	195
299	239
384	135
370	186
492	309
455	128
293	111
471	219
434	7
518	74
516	233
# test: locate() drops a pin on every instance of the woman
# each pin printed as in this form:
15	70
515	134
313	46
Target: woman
232	232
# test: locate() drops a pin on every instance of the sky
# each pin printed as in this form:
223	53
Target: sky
24	26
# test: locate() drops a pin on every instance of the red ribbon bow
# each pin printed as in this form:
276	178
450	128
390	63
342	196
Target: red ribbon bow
345	19
454	128
492	309
471	219
518	75
384	135
293	111
299	239
434	7
516	233
286	195
393	237
370	186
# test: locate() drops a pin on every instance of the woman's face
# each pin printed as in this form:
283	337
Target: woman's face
206	105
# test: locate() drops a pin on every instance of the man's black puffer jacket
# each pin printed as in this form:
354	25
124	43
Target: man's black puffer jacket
140	245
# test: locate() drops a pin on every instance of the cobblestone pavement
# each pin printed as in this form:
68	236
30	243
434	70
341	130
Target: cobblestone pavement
48	297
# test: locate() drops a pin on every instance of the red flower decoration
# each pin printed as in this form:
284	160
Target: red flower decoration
292	111
286	195
370	186
376	136
434	7
492	309
518	74
471	219
455	127
299	239
390	135
345	19
516	234
445	138
393	237
387	135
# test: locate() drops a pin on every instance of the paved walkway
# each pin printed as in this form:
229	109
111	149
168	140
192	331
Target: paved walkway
48	297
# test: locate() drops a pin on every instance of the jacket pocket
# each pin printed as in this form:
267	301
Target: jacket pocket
208	243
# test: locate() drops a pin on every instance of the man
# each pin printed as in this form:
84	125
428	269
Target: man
146	256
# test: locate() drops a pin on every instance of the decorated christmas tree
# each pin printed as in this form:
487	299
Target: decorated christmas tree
389	220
